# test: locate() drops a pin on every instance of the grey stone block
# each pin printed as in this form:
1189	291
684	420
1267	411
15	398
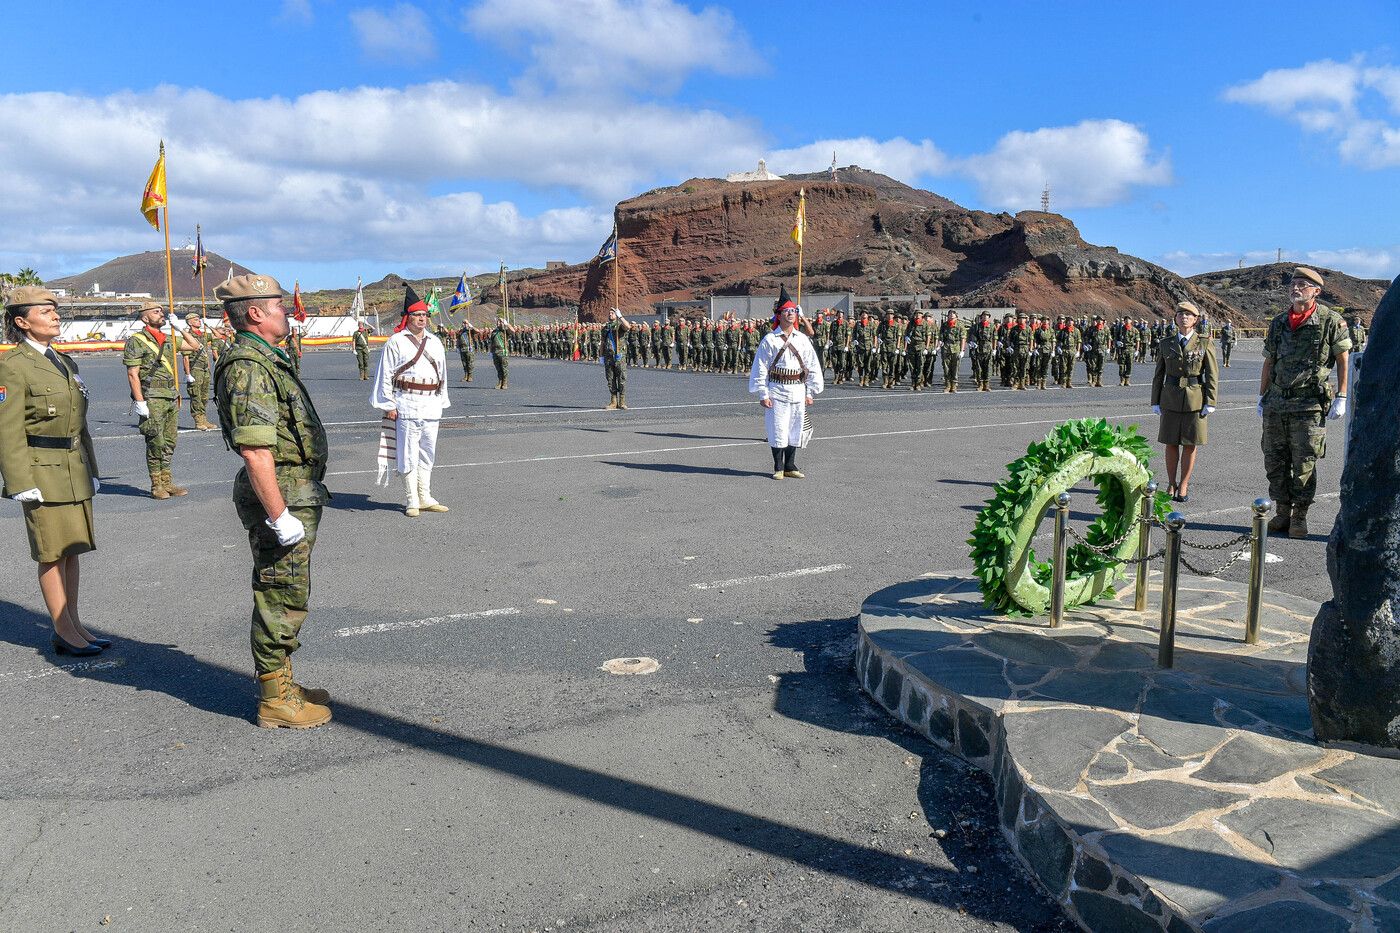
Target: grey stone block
1253	759
1193	868
917	709
1101	914
1180	721
1048	850
973	742
1280	915
969	673
1079	814
1035	646
891	689
940	726
1159	804
1376	779
1054	746
1319	840
1120	691
1147	757
1107	767
1092	874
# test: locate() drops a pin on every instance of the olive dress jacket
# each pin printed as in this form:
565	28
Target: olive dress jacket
44	439
1185	380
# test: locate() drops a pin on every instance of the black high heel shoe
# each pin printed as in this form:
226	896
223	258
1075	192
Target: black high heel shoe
103	643
87	651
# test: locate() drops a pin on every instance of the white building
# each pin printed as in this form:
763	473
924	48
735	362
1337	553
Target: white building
761	175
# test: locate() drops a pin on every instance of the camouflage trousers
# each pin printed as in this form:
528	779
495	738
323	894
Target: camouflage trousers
362	361
616	374
1093	364
1293	442
467	362
502	364
281	583
160	431
951	360
1125	365
199	392
981	367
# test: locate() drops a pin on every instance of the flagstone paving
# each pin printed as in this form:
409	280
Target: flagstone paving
1141	798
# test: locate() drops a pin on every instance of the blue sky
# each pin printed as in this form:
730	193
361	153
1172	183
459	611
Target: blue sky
319	140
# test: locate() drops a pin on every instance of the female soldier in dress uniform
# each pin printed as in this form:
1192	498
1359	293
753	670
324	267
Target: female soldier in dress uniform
1183	394
47	460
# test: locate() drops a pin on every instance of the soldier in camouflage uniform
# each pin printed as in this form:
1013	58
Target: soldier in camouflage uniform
614	350
1041	340
1006	355
952	344
360	341
1302	347
1020	339
1096	342
920	347
1227	342
151	369
891	339
500	351
465	352
1129	340
1355	329
267	417
863	344
1067	343
840	353
982	341
198	350
294	346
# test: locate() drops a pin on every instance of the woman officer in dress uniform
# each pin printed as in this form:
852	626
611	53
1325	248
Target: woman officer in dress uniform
46	458
1183	395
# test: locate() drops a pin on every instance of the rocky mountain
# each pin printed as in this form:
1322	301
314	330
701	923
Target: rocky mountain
145	272
1260	292
868	234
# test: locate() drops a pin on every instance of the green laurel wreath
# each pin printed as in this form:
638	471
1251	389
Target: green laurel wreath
1013	580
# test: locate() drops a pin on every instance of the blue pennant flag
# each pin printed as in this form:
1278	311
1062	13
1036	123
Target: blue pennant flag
462	296
609	251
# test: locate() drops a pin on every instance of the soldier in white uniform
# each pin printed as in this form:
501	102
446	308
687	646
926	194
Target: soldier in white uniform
786	377
410	387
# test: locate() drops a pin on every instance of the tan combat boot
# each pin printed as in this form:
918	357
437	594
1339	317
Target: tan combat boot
622	401
284	706
612	403
309	694
158	485
1279	523
201	423
170	486
505	383
1298	522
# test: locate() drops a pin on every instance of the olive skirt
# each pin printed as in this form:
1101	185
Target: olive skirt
1182	428
58	529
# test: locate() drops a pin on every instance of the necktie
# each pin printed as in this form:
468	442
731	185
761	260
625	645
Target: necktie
53	358
1183	343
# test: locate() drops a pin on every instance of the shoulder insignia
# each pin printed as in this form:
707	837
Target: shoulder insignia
2	393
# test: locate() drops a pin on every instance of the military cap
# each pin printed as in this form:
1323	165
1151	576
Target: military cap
1303	272
1188	307
149	306
192	316
244	287
27	295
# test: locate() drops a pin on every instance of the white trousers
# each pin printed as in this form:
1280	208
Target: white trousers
416	443
784	422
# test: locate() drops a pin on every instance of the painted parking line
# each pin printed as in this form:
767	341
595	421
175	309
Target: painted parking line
77	667
742	581
423	623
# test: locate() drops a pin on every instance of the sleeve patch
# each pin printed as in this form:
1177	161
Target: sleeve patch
2	393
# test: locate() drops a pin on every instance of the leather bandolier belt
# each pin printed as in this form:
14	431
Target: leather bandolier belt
426	388
786	375
53	443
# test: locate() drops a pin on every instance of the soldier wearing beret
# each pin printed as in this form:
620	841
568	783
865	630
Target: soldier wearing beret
1301	348
152	372
1183	396
500	351
47	460
200	354
267	416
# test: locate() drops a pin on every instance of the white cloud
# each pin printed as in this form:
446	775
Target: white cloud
1362	262
1348	101
898	158
297	11
1091	164
399	34
608	44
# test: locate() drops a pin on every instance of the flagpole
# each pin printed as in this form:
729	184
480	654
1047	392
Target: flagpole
617	273
199	247
170	302
802	239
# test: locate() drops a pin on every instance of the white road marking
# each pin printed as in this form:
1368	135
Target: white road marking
1191	516
741	581
421	623
758	441
1272	559
74	668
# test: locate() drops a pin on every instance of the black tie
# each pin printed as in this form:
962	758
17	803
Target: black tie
53	358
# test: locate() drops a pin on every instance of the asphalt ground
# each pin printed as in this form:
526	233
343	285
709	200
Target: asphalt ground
482	771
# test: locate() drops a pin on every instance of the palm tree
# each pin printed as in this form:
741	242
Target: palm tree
28	276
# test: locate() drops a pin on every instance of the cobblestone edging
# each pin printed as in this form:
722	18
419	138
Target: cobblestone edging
1142	799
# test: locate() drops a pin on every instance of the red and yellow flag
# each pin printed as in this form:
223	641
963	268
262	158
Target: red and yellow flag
799	229
298	309
153	198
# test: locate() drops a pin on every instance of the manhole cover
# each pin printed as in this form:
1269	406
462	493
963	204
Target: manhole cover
627	667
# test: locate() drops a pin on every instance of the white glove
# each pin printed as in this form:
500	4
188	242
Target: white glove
29	495
96	485
287	527
1259	409
1156	409
189	379
1338	409
142	409
1208	410
962	353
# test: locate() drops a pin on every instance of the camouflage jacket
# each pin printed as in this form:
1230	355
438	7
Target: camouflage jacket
201	360
985	336
262	403
1303	359
157	363
952	336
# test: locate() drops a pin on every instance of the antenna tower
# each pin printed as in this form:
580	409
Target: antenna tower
833	165
1045	198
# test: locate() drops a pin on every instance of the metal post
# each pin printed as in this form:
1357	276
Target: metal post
1057	584
1257	543
1166	638
1149	500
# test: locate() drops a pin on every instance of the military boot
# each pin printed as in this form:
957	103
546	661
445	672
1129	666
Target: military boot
622	401
1298	522
158	485
201	423
283	705
1280	522
170	486
505	383
309	694
612	402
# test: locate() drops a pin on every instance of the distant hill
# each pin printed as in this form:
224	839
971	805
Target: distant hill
1260	292
145	272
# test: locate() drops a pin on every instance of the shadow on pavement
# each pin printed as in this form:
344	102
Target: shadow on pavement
685	468
114	488
359	502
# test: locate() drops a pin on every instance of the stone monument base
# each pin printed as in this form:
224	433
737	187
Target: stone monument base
1144	799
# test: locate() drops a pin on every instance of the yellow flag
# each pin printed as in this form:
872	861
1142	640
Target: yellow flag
799	229
153	198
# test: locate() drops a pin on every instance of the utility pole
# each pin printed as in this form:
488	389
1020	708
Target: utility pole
1280	255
